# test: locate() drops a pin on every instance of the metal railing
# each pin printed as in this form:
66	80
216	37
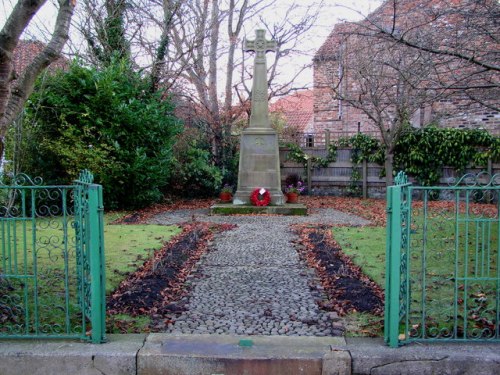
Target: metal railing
52	282
442	261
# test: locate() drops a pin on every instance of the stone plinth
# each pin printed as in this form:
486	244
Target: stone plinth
232	209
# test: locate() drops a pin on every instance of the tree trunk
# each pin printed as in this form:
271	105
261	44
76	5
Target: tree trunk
20	17
233	32
217	147
24	86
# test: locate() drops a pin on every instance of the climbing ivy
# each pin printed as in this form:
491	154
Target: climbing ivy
353	189
423	152
366	148
297	154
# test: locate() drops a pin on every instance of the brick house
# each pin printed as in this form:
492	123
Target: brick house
296	111
453	110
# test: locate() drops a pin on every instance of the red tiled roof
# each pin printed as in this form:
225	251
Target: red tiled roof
297	109
26	51
330	48
382	15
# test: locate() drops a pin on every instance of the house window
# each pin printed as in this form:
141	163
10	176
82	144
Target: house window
309	140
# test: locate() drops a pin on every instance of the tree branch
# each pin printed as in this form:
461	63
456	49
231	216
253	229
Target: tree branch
24	86
20	17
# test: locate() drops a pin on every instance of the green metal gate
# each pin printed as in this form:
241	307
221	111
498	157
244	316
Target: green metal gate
52	281
442	261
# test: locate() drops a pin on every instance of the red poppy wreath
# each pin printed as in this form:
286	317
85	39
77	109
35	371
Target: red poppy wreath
260	197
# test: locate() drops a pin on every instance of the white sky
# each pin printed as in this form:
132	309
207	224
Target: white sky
332	13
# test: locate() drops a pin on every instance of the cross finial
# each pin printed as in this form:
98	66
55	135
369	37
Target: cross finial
260	45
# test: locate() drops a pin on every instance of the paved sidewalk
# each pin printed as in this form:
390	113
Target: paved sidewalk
168	354
252	282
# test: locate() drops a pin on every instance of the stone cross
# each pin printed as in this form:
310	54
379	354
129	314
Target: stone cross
259	166
259	117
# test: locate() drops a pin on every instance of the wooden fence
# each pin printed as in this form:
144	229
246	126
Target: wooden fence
337	177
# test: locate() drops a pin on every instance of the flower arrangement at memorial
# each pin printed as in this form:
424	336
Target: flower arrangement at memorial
297	189
226	193
260	197
294	187
227	189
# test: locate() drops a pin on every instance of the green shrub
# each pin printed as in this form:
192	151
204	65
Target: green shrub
230	170
193	172
106	121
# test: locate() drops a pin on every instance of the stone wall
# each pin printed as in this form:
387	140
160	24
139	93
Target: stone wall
332	114
460	113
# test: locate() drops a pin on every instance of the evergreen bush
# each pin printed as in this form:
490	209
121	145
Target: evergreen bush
107	121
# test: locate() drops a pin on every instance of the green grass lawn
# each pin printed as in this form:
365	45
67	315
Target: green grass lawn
50	300
458	289
128	246
366	247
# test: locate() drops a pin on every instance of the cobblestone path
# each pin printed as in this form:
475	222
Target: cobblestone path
252	282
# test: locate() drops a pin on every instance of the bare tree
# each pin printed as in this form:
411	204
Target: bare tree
103	26
192	48
463	36
161	68
205	40
407	56
386	82
13	96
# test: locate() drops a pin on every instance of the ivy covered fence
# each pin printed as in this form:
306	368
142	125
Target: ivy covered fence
352	165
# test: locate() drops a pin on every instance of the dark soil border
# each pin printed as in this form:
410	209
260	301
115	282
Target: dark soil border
158	287
348	289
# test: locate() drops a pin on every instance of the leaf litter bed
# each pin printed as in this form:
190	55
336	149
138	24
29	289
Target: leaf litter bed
347	288
157	288
142	216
